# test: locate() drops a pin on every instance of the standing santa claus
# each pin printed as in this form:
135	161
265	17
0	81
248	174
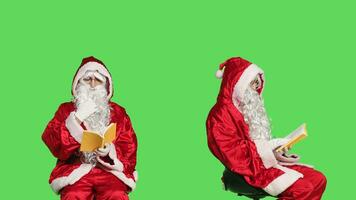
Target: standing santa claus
109	172
239	135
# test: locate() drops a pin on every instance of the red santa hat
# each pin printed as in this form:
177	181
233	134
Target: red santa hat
92	64
237	73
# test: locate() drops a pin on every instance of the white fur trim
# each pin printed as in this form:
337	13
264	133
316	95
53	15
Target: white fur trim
247	76
282	182
59	183
219	74
92	66
265	152
135	174
74	128
128	181
299	164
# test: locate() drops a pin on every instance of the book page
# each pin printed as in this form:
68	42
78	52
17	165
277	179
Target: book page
294	137
90	141
297	132
110	134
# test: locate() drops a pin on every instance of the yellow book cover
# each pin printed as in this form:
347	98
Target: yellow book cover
93	140
294	137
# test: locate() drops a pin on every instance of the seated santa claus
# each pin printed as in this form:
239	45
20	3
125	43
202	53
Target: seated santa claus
108	172
239	135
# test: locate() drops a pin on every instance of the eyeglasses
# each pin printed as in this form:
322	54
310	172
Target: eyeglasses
256	83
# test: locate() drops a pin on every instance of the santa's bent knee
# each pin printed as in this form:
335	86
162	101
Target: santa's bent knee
75	195
113	195
321	179
120	195
304	189
300	188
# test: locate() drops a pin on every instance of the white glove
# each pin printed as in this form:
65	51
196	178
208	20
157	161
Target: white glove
286	158
86	109
277	142
102	152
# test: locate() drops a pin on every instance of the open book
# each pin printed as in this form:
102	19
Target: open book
294	137
92	140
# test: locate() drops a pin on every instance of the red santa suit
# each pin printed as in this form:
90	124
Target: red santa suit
229	141
114	175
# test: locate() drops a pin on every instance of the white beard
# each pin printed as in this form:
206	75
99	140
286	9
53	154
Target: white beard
99	120
255	115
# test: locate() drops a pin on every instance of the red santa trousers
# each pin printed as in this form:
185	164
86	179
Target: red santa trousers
311	187
98	184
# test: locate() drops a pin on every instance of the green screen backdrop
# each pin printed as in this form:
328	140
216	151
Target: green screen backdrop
163	56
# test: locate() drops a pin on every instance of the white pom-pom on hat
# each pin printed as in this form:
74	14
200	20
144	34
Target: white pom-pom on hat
219	74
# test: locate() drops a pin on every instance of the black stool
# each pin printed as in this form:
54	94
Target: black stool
237	184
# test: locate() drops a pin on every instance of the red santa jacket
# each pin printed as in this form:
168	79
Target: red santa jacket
228	133
63	136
